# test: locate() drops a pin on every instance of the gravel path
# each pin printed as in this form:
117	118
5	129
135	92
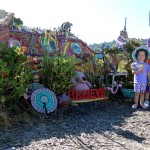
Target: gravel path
92	126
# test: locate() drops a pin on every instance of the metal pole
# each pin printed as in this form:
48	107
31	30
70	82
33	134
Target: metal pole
149	17
125	23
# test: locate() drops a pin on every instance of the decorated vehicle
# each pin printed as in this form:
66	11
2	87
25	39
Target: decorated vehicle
43	45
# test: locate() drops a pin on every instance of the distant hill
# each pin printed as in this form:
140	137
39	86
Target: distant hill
108	45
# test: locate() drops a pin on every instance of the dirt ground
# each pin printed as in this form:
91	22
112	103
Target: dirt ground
91	126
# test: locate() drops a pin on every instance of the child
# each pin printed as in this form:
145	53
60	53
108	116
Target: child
140	69
33	86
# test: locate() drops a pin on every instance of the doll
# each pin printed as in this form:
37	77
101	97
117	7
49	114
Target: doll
33	86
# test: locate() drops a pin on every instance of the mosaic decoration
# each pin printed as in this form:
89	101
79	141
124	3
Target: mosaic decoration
14	43
98	59
76	48
51	46
41	96
123	38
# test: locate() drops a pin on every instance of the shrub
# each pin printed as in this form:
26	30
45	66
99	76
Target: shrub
57	73
15	74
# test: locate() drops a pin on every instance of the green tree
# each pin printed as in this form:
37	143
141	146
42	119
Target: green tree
18	21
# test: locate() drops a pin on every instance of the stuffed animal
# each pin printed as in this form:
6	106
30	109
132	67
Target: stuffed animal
80	82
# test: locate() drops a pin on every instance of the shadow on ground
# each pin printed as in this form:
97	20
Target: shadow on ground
89	118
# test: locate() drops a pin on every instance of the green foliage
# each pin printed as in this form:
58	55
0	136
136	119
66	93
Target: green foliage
113	50
18	21
14	75
132	44
57	74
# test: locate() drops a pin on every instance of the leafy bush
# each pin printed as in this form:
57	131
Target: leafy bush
18	21
57	73
15	74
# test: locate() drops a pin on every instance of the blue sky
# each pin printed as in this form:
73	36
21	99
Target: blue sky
94	21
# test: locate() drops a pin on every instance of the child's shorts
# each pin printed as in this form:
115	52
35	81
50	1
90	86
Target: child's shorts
140	87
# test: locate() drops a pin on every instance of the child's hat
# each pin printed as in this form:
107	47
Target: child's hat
140	47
